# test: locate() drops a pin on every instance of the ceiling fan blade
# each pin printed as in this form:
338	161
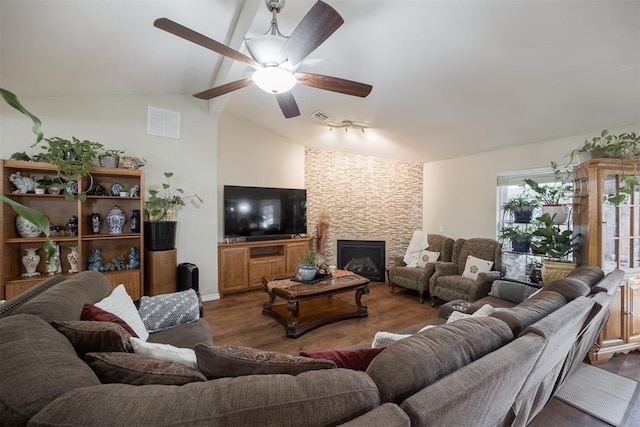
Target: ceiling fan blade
334	84
223	89
197	38
316	26
288	104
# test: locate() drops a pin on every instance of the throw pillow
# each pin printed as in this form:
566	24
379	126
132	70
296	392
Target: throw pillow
483	311
233	361
427	257
474	266
88	336
167	352
127	368
511	291
121	304
356	359
166	311
385	339
93	313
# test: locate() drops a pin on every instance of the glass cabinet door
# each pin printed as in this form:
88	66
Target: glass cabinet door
620	228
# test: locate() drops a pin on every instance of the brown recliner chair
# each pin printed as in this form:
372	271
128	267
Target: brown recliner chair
417	278
447	281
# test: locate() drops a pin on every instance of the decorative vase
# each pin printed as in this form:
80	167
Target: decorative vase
71	187
30	262
72	257
109	161
307	271
94	223
115	219
553	270
134	221
26	228
72	226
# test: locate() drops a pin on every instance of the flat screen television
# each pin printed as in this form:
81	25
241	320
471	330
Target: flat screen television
264	212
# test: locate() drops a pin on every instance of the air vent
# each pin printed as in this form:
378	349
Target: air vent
320	116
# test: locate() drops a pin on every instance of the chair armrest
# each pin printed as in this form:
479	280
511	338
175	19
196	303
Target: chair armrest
483	284
442	268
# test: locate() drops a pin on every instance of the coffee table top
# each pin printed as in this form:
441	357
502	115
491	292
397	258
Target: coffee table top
284	287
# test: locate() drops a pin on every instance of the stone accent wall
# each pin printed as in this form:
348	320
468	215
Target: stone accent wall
367	198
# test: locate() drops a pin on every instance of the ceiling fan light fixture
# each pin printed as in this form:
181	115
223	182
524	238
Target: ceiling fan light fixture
273	80
266	49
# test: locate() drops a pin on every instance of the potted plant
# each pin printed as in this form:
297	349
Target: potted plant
110	158
519	236
556	245
11	99
521	207
308	267
160	210
552	195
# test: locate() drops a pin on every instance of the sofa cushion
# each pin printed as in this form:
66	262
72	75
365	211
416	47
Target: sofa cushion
169	310
96	314
86	336
413	363
315	398
127	368
65	300
530	310
234	361
569	287
589	274
357	359
186	335
37	365
511	291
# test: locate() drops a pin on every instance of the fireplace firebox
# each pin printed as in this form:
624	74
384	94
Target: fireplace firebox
363	257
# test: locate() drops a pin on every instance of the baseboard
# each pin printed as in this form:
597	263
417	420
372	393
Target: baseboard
212	297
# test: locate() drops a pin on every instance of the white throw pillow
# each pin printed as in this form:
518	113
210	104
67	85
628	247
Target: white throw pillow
427	257
167	352
483	311
476	265
385	339
120	303
426	327
457	315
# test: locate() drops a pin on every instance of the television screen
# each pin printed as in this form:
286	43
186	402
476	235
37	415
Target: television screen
262	211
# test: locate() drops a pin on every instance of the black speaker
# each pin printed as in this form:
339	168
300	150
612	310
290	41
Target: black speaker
188	277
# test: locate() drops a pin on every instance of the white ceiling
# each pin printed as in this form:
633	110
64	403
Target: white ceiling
449	78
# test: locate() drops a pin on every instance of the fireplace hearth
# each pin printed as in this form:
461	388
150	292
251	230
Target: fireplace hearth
363	257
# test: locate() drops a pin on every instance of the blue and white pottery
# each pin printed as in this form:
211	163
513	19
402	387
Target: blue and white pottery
115	220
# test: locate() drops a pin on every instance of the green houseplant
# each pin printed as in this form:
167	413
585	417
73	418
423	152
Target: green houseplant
521	207
39	219
109	158
519	236
553	195
161	208
308	266
556	245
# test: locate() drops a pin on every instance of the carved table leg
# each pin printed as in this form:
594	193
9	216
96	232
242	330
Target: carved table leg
267	305
294	307
359	293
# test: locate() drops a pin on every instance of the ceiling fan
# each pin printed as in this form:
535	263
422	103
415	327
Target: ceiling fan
276	57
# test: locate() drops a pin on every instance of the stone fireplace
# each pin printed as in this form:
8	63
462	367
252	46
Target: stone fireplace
363	257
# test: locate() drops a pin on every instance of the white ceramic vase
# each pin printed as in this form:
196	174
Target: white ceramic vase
26	228
30	261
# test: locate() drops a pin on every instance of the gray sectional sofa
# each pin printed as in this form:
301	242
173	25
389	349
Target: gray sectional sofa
496	370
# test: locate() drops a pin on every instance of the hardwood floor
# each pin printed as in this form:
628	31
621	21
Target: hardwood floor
237	320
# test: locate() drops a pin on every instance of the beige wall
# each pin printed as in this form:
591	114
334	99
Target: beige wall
251	155
120	122
460	194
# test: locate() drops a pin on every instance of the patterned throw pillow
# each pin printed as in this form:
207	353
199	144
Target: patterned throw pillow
474	266
166	311
427	257
93	313
232	361
385	339
128	368
88	336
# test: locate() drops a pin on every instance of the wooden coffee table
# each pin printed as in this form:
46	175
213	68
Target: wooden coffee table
320	302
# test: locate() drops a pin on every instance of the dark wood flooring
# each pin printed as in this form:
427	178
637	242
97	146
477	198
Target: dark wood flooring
237	319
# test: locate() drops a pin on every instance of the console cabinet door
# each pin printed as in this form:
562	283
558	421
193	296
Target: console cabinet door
295	251
233	269
633	312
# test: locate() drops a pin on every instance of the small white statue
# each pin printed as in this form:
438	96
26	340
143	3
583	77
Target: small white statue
24	184
54	266
133	191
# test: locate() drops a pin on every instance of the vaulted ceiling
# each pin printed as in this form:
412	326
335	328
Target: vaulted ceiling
449	77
